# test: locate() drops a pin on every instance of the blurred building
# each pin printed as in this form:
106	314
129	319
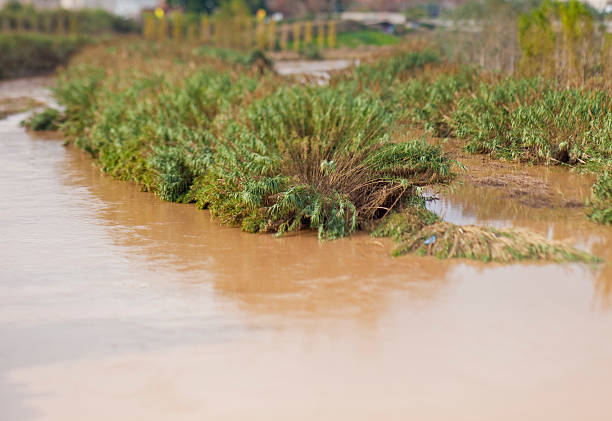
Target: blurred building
122	7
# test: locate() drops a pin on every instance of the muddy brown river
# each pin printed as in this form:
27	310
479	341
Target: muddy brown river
115	305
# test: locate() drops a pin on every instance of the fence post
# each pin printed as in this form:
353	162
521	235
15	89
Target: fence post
32	22
284	40
60	21
73	24
148	25
204	29
308	33
272	36
236	28
321	34
246	36
214	32
162	28
177	26
20	23
297	30
192	31
261	35
47	23
331	36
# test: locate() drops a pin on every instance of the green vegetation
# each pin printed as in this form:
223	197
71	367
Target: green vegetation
373	37
267	154
318	158
28	54
35	41
47	120
600	205
531	119
18	17
258	153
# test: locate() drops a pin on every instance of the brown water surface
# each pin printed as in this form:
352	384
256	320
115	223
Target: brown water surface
116	305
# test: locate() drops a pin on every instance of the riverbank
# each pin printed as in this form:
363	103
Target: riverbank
175	315
268	154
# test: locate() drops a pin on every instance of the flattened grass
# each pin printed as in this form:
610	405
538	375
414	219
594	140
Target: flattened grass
421	232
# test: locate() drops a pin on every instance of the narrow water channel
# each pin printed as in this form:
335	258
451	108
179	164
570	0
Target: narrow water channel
116	305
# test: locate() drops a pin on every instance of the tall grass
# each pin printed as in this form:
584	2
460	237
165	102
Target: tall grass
531	119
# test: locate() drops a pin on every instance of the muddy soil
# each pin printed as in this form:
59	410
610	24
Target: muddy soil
117	305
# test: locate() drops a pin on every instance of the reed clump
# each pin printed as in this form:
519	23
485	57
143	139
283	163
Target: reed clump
315	157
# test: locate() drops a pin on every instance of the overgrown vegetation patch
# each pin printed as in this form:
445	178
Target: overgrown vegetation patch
270	155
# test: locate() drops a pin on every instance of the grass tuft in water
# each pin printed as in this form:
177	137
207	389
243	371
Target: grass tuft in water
422	232
49	119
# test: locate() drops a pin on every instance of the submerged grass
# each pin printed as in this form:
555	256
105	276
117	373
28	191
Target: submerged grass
422	232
